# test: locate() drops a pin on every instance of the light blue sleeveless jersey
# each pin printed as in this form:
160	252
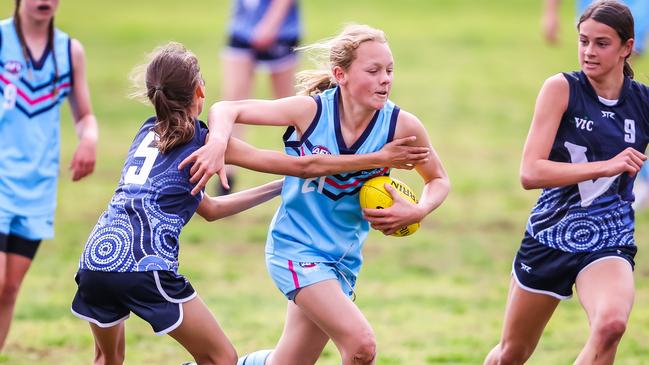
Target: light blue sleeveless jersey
29	122
246	14
320	219
140	228
593	214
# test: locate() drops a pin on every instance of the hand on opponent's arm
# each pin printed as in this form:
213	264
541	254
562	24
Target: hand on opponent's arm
295	111
397	154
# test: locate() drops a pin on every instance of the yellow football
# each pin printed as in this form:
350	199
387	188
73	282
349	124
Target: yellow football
373	195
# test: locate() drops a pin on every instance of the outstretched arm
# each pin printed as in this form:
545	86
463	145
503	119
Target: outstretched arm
397	154
85	123
297	111
537	171
436	188
213	208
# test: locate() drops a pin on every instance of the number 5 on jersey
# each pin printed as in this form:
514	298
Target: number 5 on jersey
133	176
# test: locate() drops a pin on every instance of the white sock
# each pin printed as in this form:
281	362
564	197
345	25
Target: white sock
254	358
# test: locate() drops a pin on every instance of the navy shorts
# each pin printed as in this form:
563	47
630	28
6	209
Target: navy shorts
278	56
541	269
18	245
107	298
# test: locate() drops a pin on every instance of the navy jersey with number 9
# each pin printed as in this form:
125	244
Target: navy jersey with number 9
593	214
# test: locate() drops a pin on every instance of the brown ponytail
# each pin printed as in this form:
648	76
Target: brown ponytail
171	80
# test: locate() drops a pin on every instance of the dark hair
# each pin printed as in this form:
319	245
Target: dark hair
50	44
171	80
617	16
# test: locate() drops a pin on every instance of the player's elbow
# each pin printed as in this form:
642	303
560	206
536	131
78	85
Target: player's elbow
529	180
211	209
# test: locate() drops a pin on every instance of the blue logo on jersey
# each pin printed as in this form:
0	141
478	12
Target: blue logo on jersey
320	150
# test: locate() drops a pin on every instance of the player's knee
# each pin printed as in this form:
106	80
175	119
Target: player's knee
514	354
224	357
365	349
116	358
610	329
9	291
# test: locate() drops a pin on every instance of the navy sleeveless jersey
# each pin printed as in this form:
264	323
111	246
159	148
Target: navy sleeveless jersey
593	214
140	228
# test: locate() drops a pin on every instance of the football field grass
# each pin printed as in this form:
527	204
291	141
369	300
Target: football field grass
469	69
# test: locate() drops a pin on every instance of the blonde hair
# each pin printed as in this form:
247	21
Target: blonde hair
337	51
169	82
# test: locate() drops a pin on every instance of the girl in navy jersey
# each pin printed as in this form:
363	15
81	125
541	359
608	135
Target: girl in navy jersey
313	249
583	151
40	66
130	261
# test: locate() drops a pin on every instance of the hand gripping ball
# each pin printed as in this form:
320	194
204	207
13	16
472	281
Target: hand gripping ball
373	195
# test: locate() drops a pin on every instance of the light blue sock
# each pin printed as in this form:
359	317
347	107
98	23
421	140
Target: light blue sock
255	358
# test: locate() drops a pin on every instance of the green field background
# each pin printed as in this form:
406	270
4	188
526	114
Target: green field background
469	69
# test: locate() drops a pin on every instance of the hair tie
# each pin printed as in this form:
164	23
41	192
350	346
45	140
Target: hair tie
158	88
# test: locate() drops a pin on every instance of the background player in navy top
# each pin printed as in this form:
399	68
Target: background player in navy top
130	261
40	67
314	246
583	151
640	11
261	34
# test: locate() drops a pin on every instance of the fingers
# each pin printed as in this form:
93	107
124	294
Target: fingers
373	214
404	140
81	169
393	192
200	185
224	178
386	229
633	160
188	160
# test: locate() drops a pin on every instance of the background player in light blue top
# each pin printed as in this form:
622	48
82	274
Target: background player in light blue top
40	67
262	34
313	252
583	150
130	261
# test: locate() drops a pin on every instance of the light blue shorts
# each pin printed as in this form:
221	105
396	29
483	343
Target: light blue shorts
290	276
37	227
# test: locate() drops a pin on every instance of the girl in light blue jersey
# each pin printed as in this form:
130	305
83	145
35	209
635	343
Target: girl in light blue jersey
40	66
130	261
313	249
583	150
